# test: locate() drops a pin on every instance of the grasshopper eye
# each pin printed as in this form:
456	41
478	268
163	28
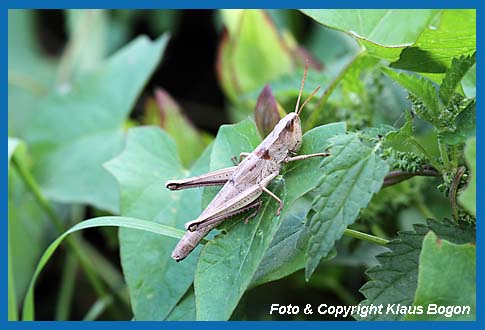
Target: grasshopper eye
290	126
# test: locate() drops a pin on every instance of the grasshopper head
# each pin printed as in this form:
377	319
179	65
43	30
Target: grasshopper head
291	129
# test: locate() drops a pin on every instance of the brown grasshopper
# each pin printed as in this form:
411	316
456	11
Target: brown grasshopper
244	183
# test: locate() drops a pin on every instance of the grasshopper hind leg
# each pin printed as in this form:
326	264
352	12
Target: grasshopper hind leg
195	225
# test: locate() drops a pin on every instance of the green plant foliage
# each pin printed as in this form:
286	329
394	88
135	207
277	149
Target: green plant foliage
72	134
459	68
395	280
351	175
469	197
421	88
164	111
463	127
252	53
451	33
456	285
93	136
148	161
384	33
126	222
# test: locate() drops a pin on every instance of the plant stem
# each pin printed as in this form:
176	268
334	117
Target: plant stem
66	288
423	208
453	189
418	145
365	237
444	155
71	242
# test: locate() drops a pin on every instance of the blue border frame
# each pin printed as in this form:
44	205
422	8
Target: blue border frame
209	4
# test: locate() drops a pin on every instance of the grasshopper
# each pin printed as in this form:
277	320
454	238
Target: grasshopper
245	182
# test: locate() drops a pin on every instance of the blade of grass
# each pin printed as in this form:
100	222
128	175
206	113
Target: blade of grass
28	306
66	289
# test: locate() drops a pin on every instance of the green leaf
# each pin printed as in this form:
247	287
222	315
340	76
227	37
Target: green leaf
400	136
30	71
469	83
454	75
126	222
72	134
422	88
468	197
165	112
384	33
395	280
252	53
465	126
451	33
352	174
230	261
185	309
155	281
455	268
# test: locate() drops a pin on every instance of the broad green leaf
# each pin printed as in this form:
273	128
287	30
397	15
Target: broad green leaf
384	33
126	222
156	282
395	280
252	53
351	175
447	277
286	254
454	75
72	134
422	88
465	126
229	262
468	197
451	33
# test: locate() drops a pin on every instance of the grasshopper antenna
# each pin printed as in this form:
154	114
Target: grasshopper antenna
301	88
308	99
298	108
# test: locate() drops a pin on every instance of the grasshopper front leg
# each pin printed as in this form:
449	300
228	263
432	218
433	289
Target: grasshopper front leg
216	178
302	157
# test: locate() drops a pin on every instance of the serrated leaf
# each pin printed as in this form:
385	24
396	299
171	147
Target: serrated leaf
351	175
455	267
384	33
72	134
454	75
469	83
422	88
394	281
465	124
229	262
451	33
156	282
468	197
